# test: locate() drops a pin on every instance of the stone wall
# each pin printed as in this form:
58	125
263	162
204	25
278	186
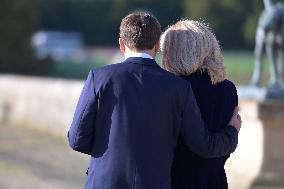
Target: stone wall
41	102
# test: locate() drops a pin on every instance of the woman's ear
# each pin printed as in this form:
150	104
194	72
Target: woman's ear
157	47
121	45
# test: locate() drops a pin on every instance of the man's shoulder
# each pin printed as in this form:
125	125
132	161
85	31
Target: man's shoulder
174	78
113	70
123	66
122	69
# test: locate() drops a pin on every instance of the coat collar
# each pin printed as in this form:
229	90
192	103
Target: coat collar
143	61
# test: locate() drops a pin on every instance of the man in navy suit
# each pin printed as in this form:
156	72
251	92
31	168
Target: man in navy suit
129	116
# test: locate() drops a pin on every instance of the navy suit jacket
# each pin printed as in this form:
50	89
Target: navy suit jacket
128	119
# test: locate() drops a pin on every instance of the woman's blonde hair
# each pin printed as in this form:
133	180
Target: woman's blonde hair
188	46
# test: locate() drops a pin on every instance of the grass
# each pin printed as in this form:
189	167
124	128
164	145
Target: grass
239	66
74	70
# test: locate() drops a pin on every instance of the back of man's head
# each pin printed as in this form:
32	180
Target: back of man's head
140	31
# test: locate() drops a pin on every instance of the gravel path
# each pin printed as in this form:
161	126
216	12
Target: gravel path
33	159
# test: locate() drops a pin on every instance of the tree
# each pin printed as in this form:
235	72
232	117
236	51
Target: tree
225	17
99	20
18	21
233	22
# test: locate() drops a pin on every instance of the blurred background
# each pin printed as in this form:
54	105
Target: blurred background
65	38
47	48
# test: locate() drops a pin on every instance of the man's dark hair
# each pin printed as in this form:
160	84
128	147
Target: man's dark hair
140	31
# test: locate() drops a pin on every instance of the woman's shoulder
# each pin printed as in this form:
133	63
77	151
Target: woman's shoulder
228	91
227	85
201	81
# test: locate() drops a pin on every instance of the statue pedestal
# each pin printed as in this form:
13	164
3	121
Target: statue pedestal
258	161
271	115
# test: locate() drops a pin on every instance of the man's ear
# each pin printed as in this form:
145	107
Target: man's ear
121	45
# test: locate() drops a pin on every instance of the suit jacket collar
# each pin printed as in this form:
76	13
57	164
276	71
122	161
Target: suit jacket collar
143	61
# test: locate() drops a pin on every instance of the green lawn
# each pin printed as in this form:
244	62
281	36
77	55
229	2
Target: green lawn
74	70
239	66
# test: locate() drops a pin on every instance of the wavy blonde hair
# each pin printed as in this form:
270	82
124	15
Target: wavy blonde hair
188	46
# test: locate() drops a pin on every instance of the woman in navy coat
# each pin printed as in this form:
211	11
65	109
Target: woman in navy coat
191	50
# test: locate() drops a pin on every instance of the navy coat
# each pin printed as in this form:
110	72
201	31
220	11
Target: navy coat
216	103
128	119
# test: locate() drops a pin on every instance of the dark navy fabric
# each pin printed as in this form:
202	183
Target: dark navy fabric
129	117
216	103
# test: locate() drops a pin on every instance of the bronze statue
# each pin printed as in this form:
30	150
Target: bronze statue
270	39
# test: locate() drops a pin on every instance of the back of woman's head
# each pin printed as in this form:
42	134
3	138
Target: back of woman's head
188	46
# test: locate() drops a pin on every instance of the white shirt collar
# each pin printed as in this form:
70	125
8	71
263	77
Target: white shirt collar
138	54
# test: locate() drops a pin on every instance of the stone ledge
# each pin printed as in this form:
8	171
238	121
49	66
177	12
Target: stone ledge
42	102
